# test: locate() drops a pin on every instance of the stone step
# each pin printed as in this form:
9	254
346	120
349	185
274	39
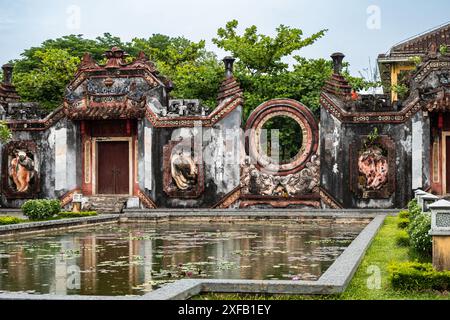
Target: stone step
105	204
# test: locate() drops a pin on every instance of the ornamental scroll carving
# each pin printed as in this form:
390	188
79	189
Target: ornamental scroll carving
306	181
283	182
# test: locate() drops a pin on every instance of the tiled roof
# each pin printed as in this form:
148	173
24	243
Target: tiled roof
421	44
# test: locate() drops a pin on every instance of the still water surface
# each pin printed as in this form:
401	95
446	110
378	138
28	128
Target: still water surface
132	259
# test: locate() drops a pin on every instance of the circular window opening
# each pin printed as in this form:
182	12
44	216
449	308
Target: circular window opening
281	139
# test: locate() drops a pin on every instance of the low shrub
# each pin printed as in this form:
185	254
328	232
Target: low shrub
41	209
402	238
418	231
9	220
414	210
403	214
417	276
55	206
403	223
69	214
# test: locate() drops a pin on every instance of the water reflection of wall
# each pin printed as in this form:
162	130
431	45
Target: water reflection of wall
127	260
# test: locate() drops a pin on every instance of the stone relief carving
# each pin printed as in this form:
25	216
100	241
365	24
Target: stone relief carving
303	182
374	167
184	171
21	170
21	165
183	175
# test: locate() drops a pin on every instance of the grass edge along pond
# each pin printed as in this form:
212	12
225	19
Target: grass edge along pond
381	253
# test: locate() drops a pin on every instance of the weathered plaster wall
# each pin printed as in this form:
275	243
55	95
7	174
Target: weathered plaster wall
331	155
58	160
336	139
220	151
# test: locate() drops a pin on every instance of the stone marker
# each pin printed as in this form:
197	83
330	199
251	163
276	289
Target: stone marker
133	203
76	201
440	231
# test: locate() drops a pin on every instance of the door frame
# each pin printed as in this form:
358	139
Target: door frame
444	136
98	140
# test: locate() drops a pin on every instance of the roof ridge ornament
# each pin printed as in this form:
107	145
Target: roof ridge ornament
87	62
115	58
337	84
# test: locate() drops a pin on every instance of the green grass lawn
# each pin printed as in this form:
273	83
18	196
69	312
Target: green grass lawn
382	251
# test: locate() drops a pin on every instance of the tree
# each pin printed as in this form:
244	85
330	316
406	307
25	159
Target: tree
259	53
43	72
195	72
45	83
261	69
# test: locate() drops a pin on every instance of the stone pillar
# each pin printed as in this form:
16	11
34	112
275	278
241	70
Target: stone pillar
440	231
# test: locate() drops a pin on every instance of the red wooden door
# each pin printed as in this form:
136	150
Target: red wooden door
113	167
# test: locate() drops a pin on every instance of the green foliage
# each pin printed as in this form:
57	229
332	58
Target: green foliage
41	209
443	49
46	82
404	214
402	238
81	214
414	276
259	53
400	89
403	223
43	72
262	72
4	220
5	133
54	205
418	231
372	138
414	209
359	83
290	137
416	60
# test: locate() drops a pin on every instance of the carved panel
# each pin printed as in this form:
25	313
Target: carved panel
373	168
183	175
21	170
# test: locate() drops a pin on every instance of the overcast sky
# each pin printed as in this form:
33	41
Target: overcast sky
361	29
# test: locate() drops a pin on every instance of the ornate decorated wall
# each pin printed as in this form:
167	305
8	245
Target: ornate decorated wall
119	136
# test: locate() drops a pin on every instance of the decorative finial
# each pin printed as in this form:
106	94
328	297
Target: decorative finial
337	62
228	61
7	73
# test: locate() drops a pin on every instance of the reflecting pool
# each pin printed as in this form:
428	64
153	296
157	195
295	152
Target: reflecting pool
132	259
